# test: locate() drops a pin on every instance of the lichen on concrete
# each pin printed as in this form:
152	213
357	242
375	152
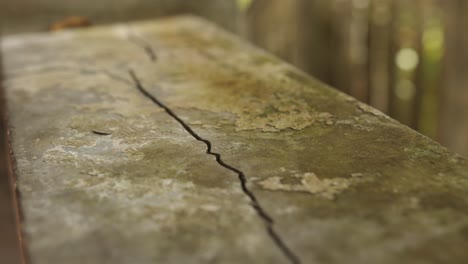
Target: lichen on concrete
308	182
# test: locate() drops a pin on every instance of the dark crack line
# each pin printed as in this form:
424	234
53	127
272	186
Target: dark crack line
243	181
140	41
101	133
144	44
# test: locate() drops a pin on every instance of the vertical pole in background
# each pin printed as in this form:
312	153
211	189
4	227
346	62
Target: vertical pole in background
405	61
359	33
273	25
453	123
379	58
432	62
420	87
340	39
392	49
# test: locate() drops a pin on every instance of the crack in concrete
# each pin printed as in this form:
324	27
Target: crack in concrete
142	43
242	178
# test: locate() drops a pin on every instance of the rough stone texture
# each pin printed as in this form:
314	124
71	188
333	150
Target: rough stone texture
342	182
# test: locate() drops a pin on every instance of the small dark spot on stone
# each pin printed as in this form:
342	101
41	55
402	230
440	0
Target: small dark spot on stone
101	133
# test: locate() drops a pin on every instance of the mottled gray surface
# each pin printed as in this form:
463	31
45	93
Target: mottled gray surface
342	182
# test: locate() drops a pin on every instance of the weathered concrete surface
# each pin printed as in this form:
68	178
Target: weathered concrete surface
342	182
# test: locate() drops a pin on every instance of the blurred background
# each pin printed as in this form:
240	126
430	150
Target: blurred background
406	58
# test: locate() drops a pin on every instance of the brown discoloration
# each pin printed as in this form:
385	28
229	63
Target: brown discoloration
70	22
